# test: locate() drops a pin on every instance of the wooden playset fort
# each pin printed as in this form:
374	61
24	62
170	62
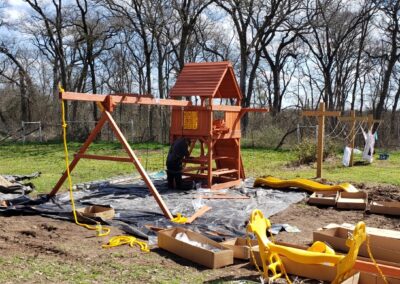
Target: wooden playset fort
209	122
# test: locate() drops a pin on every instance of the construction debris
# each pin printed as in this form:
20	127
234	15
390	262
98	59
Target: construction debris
12	184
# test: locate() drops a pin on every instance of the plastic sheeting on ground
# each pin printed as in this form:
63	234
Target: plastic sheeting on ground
136	209
12	184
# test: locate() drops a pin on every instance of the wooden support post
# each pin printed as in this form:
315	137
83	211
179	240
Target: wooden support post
202	154
321	113
210	162
321	133
238	161
81	151
138	166
352	135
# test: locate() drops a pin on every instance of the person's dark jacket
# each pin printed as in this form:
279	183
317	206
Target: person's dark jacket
178	151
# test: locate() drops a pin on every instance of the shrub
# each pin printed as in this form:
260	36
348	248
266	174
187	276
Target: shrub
306	150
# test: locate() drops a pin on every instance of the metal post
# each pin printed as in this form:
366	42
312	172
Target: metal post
132	131
298	133
40	131
23	132
352	136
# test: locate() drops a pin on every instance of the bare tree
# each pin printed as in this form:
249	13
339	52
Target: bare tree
333	28
24	82
391	29
256	23
181	29
283	48
93	39
48	28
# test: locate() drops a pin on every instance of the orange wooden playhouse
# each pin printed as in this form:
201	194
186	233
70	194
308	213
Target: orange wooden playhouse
210	122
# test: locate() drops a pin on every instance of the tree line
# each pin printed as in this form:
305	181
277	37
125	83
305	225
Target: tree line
286	53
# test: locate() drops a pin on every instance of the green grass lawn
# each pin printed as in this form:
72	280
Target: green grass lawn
49	160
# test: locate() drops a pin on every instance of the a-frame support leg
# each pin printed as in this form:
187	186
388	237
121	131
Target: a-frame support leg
82	150
139	166
106	116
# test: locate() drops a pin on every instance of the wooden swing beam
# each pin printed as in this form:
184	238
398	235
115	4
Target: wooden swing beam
108	103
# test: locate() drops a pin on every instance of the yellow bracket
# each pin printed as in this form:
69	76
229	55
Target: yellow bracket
179	219
318	253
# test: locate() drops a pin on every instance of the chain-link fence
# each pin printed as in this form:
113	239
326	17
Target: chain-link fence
151	124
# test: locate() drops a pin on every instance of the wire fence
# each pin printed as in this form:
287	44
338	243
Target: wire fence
153	126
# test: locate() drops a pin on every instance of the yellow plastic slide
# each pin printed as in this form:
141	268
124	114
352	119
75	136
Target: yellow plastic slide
302	183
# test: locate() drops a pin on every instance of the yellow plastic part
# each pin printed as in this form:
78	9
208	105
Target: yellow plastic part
302	183
318	253
179	219
100	230
123	240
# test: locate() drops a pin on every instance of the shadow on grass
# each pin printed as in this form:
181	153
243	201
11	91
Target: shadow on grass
178	260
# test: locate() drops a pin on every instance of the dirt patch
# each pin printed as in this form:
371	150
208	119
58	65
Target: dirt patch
60	251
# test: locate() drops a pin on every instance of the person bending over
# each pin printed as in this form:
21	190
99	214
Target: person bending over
177	151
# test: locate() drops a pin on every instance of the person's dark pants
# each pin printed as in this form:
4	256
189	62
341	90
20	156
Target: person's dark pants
174	179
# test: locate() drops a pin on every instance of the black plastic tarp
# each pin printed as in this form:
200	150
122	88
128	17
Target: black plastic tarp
135	207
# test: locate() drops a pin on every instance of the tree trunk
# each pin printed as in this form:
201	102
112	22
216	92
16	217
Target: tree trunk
25	116
160	67
393	114
242	83
277	91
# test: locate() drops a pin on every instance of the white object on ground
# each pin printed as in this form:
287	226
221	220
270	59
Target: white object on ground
346	156
368	152
184	238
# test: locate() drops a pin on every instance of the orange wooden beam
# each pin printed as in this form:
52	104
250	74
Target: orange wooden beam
247	109
198	214
226	108
390	271
104	158
125	99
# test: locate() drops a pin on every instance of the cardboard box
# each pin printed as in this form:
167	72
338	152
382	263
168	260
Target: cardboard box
369	278
352	200
385	207
240	247
310	271
104	212
385	244
362	277
208	258
328	198
323	272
